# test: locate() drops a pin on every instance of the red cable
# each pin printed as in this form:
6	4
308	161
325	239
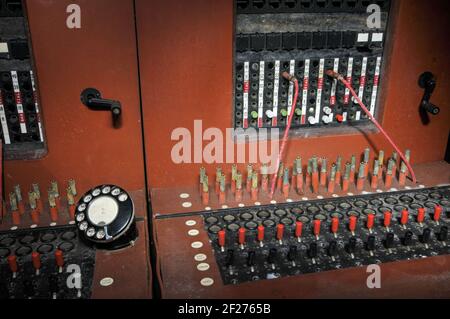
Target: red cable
361	104
286	131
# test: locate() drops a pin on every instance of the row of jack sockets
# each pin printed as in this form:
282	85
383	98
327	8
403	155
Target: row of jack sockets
338	108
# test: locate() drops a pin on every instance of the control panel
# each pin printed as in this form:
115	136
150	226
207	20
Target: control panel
45	263
20	112
274	241
305	39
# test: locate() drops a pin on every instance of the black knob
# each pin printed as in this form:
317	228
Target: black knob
371	241
272	256
389	241
28	288
251	259
230	258
407	240
443	233
312	251
426	236
332	248
292	254
351	246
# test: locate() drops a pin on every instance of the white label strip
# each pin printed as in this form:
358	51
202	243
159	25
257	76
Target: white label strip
363	37
334	86
276	89
291	87
4	47
349	80
319	90
15	80
377	37
376	81
261	94
246	90
362	84
36	105
305	91
4	121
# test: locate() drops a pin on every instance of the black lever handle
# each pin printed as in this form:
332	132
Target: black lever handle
427	82
92	98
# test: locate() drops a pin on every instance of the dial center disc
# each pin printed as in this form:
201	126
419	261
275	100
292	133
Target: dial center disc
103	211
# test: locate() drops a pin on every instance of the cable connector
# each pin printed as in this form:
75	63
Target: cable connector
289	77
334	75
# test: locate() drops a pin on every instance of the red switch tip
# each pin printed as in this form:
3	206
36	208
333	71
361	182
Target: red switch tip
241	236
59	258
221	235
260	233
370	221
420	215
334	225
280	231
339	118
12	261
298	229
317	227
352	223
437	213
404	218
36	258
387	219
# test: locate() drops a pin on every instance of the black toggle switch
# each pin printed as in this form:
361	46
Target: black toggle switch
230	258
312	251
28	289
443	233
332	248
426	236
292	254
251	259
389	241
407	240
53	285
371	243
351	246
272	256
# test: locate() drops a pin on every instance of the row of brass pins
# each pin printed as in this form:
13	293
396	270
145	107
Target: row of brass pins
35	202
318	174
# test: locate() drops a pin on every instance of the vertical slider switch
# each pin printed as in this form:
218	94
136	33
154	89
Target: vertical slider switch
251	260
36	259
28	289
280	233
229	261
407	240
351	246
312	252
352	224
12	262
271	259
404	218
426	236
437	213
221	240
241	238
370	222
389	241
292	254
53	286
332	249
370	245
443	234
316	229
298	231
59	258
261	235
387	219
420	215
334	226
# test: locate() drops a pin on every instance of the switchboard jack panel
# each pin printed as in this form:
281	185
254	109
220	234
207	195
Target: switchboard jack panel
305	39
